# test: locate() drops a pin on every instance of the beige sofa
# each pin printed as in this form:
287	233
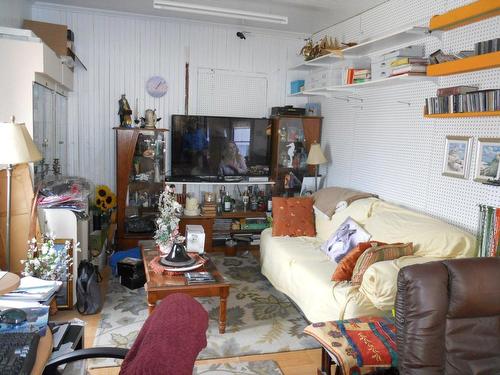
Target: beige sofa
297	267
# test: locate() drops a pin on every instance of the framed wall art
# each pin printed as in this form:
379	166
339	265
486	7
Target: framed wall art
64	296
456	158
487	159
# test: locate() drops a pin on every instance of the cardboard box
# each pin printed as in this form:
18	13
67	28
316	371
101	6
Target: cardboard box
52	34
195	238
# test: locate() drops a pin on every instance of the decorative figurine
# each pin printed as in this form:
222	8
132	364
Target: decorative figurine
150	119
291	153
125	112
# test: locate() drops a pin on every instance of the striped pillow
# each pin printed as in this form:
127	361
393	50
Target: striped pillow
378	254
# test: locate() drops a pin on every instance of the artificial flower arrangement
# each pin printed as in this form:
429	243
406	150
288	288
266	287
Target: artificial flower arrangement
46	262
168	222
105	199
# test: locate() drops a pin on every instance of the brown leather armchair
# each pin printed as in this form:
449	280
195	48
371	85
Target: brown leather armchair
448	317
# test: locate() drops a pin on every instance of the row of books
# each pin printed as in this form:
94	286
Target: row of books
488	46
489	231
476	101
352	75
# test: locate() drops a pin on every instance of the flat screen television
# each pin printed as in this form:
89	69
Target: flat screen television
210	146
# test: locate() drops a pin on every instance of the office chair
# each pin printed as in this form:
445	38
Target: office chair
167	344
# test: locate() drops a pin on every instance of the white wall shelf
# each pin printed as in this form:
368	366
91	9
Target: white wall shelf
385	82
383	43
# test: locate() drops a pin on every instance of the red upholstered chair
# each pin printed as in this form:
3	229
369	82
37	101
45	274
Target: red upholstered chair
167	344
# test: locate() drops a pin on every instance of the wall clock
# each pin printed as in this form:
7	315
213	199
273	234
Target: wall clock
156	86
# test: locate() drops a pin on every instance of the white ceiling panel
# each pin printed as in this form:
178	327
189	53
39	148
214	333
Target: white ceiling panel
304	16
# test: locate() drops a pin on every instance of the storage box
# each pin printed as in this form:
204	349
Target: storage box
134	282
130	267
410	51
195	238
295	86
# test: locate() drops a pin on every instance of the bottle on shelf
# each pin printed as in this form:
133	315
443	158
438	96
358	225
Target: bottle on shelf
228	204
269	203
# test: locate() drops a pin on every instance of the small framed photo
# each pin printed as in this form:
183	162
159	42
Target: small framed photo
457	156
308	185
487	160
64	296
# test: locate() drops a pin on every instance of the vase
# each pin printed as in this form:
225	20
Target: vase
165	249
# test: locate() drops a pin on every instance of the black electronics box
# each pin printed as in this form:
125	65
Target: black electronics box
288	110
135	282
130	267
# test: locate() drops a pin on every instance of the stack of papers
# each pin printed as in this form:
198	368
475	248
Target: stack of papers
33	289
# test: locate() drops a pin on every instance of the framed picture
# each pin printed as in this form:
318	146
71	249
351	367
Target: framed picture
457	156
64	296
308	185
487	160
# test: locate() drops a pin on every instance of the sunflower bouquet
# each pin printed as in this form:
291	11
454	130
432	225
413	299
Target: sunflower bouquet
105	199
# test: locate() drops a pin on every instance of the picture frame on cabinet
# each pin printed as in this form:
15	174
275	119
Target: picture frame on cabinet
308	184
487	160
456	159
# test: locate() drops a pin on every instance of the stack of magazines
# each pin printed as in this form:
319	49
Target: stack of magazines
199	278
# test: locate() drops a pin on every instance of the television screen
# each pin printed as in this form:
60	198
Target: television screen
220	146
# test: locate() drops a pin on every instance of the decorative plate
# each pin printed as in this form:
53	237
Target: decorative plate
156	86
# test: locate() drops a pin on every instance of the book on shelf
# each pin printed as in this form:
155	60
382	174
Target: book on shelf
409	60
409	68
476	101
489	231
455	90
352	75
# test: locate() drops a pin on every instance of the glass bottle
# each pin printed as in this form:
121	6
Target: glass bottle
227	203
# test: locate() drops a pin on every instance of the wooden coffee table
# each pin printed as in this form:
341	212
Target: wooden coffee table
159	286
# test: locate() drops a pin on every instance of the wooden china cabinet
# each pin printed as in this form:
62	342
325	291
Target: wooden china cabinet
140	176
292	139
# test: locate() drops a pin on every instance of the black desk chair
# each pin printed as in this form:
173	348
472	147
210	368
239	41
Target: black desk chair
168	343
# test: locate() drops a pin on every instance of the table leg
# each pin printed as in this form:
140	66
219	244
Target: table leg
222	310
151	303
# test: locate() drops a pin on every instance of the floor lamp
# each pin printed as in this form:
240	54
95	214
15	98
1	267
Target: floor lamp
316	157
16	147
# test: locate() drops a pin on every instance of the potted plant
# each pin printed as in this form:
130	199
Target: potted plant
168	222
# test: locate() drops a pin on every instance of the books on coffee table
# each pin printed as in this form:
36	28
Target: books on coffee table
199	277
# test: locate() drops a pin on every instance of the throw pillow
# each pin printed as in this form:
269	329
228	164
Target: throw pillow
346	237
377	254
326	200
293	217
343	271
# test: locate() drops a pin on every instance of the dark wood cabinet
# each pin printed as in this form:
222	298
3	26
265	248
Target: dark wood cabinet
292	137
140	176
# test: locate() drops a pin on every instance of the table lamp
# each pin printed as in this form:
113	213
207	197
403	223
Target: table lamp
16	147
316	157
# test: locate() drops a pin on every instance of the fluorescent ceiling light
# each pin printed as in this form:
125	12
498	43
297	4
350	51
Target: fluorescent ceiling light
219	12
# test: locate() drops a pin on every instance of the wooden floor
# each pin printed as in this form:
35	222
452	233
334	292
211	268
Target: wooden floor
304	362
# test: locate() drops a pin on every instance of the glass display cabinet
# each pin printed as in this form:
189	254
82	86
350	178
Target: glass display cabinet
292	138
140	176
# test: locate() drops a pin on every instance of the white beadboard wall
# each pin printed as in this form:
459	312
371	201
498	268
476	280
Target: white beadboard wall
384	145
121	51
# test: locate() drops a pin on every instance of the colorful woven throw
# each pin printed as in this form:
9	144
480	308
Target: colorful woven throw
358	346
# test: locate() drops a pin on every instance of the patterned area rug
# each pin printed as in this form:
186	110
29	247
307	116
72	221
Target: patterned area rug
259	318
241	368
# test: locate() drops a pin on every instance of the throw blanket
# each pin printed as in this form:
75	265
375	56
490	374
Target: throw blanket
170	339
326	200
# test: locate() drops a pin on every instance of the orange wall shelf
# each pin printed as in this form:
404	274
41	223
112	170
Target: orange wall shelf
474	12
468	64
463	114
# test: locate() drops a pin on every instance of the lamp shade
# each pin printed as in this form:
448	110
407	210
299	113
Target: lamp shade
16	144
316	156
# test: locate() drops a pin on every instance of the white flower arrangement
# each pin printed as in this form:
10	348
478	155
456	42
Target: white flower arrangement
46	262
168	222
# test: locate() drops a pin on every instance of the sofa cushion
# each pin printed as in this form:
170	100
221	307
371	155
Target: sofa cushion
359	211
293	217
344	239
344	269
430	237
377	254
326	200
